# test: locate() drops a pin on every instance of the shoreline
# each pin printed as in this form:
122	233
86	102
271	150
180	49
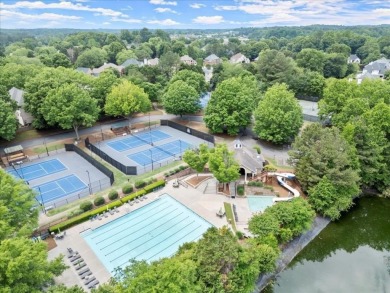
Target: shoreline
290	251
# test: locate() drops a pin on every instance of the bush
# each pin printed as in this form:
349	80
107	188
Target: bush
127	189
86	206
183	168
113	194
240	190
258	149
256	183
151	187
75	213
99	201
139	184
133	195
240	235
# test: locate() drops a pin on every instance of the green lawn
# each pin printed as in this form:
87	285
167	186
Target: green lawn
42	149
230	215
274	164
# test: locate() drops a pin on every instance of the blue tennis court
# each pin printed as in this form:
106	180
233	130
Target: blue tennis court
159	153
140	139
37	170
59	188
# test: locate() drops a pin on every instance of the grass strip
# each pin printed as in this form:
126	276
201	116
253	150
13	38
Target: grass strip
230	215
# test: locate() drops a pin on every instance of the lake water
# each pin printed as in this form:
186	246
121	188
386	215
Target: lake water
350	255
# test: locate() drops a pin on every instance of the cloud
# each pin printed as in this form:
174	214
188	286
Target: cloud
127	20
208	19
62	5
226	7
13	15
165	22
106	23
197	5
163	2
163	10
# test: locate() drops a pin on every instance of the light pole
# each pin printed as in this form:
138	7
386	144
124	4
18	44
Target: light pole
151	158
47	151
89	180
42	204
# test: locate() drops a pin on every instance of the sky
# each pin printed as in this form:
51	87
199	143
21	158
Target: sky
183	14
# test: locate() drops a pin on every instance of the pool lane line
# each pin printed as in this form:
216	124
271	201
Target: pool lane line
134	239
133	231
171	235
129	219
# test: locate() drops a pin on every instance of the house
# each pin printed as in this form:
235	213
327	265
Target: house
374	70
239	58
353	59
187	60
85	70
24	118
151	62
97	71
132	61
212	60
208	73
251	163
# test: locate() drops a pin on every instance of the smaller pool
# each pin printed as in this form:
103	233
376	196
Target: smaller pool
258	203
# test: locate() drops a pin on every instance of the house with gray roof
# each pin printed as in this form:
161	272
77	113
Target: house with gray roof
24	118
212	60
85	70
374	70
353	59
249	160
187	60
132	61
97	71
239	58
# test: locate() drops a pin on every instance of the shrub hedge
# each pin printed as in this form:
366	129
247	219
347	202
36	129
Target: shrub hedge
113	194
127	189
87	215
139	184
86	206
99	201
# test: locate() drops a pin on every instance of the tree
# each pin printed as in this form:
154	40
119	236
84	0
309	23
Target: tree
63	289
17	215
125	99
308	84
311	59
335	65
113	49
92	58
8	121
169	63
278	116
70	106
230	106
320	152
181	98
223	165
24	266
275	67
339	49
102	85
194	79
197	159
123	55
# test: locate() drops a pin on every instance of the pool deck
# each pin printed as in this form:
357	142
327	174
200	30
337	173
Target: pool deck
205	205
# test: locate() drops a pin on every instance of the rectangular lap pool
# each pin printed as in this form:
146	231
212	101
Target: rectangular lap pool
149	233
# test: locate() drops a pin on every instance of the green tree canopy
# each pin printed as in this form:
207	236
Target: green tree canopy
192	78
8	121
123	55
181	98
125	99
230	106
311	59
278	116
197	159
70	106
223	165
102	85
92	58
24	267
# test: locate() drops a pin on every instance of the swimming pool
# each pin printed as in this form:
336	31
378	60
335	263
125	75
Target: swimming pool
258	203
149	233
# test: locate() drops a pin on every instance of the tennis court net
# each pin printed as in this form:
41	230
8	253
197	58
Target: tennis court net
144	140
165	151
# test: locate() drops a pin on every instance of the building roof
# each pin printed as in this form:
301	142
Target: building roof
17	96
153	62
83	69
353	57
382	65
97	71
131	61
236	57
248	158
186	58
212	57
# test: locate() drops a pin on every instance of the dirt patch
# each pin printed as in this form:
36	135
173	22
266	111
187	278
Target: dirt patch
50	243
193	124
196	180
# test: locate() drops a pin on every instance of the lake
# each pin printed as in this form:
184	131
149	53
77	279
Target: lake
350	255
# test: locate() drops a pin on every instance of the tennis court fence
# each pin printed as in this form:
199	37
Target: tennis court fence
188	130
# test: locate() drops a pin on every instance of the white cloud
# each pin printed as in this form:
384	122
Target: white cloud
163	10
106	23
226	7
163	2
65	5
208	19
197	5
127	20
13	15
165	22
